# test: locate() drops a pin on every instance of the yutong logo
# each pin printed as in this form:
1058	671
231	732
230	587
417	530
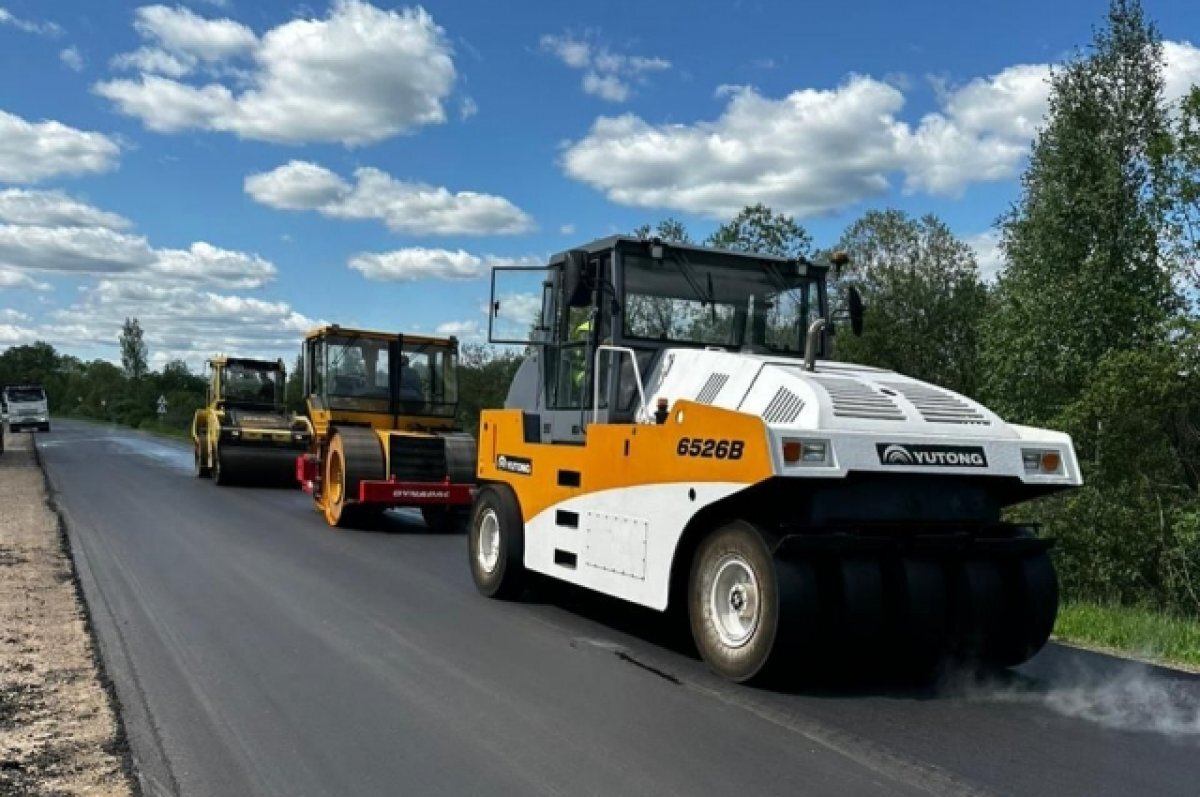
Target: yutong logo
515	465
931	456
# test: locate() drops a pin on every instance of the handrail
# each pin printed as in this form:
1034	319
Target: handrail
637	375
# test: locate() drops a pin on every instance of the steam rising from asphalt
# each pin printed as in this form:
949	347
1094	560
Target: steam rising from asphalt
1135	700
1125	697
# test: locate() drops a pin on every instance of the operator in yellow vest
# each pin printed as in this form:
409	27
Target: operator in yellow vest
578	367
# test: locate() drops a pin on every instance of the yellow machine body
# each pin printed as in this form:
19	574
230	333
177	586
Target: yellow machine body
244	431
382	408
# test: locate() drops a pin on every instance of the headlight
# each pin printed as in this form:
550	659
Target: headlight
1045	461
805	452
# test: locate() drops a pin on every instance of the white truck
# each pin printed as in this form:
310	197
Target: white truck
27	407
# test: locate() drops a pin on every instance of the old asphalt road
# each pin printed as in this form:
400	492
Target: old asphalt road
257	652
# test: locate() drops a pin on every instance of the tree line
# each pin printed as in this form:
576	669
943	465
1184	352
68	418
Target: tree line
1091	327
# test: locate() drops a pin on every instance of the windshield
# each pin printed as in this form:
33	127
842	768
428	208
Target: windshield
701	303
25	394
248	384
360	376
428	378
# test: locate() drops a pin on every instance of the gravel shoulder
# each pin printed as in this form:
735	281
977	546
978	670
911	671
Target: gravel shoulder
59	734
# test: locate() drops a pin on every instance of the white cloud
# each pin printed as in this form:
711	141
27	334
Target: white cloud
205	263
358	76
180	321
153	60
459	329
414	208
181	31
30	25
49	231
807	153
607	74
606	87
72	59
14	279
33	151
988	256
815	151
297	185
54	209
73	250
8	315
168	106
418	263
1182	69
467	108
567	229
13	335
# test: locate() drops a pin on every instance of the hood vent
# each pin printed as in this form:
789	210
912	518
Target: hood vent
855	399
784	408
938	406
711	388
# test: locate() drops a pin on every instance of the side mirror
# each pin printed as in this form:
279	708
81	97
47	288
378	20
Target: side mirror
578	276
855	301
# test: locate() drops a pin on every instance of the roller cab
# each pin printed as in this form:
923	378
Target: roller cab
678	438
244	433
382	407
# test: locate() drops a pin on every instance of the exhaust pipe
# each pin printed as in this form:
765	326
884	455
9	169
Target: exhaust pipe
810	344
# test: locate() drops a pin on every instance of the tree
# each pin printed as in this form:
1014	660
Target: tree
923	296
33	363
1087	331
670	230
133	349
1181	173
484	374
1085	274
295	386
759	229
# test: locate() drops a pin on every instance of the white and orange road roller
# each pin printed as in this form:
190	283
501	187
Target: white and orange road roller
677	438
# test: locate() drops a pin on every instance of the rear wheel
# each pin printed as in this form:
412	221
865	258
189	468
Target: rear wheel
222	474
353	456
447	519
497	543
734	600
45	427
202	470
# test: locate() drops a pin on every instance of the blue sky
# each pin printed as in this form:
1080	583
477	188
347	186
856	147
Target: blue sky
232	172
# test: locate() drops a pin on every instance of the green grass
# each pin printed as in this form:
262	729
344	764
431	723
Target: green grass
1144	633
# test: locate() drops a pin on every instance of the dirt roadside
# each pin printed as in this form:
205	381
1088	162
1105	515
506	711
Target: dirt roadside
58	731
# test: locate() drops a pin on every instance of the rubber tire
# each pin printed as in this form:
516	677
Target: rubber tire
358	456
507	581
749	661
923	626
447	519
861	628
45	427
221	475
201	470
1030	610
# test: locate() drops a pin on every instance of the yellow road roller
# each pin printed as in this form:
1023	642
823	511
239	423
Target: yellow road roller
382	407
245	433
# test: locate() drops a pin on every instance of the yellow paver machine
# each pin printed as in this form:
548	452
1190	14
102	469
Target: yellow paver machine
382	408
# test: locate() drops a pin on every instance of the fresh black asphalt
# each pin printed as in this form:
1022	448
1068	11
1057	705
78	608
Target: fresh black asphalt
256	651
